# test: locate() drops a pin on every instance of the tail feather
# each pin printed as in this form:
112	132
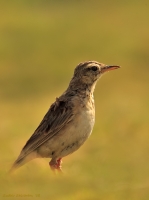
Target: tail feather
16	165
21	161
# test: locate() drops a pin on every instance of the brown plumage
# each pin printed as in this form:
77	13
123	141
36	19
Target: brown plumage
69	121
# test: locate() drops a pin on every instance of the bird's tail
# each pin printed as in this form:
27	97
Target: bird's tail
21	160
16	165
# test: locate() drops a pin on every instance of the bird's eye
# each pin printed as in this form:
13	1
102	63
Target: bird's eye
94	68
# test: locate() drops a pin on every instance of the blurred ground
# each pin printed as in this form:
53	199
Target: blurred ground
41	43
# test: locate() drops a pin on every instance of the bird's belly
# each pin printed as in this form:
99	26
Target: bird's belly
71	137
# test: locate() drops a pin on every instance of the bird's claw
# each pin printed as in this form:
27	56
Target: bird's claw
56	165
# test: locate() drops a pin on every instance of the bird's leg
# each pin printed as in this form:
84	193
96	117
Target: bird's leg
59	161
56	164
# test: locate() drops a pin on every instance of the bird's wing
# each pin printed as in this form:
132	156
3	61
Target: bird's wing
59	115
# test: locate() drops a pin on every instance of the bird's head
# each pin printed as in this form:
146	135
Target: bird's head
86	75
90	71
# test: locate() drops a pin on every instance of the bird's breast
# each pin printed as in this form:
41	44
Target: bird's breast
84	119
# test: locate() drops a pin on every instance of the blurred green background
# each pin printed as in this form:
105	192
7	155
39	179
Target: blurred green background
40	44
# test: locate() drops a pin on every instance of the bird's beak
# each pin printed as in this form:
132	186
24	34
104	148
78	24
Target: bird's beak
108	68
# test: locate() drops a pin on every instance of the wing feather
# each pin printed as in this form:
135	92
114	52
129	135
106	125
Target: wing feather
59	115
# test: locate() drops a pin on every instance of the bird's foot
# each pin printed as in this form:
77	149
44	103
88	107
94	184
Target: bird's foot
56	164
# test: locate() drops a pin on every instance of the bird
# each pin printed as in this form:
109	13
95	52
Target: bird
69	121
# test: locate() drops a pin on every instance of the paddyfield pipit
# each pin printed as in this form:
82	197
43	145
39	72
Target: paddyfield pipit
69	121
